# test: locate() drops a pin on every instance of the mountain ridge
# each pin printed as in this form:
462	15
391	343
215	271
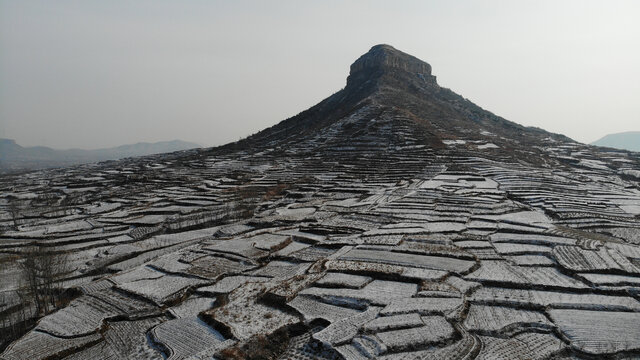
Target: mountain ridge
14	157
627	140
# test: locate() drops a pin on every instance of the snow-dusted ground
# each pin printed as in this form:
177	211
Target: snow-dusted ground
418	256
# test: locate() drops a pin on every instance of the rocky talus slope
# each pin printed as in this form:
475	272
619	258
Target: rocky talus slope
394	220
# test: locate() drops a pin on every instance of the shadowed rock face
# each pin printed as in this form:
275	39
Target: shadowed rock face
394	220
384	58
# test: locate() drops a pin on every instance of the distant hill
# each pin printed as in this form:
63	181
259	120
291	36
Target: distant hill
629	140
14	157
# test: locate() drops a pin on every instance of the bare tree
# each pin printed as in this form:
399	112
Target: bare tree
42	270
14	210
4	301
16	309
38	291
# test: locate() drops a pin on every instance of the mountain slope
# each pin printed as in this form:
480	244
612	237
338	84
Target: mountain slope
14	157
629	140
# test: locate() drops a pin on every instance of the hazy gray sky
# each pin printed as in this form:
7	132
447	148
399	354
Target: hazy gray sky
93	74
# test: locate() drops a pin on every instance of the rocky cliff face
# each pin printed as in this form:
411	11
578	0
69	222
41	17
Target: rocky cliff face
383	58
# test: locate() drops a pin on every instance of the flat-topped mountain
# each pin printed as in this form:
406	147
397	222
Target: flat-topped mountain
389	94
393	220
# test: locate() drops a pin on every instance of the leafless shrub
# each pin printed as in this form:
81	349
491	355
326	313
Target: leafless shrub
259	347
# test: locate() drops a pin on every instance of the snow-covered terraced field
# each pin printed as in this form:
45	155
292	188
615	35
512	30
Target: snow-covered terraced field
376	232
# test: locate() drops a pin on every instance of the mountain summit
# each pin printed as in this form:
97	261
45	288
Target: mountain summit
391	100
386	60
386	56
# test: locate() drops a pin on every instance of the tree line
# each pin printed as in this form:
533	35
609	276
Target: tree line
30	283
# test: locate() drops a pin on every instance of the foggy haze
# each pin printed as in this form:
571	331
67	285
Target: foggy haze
92	74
